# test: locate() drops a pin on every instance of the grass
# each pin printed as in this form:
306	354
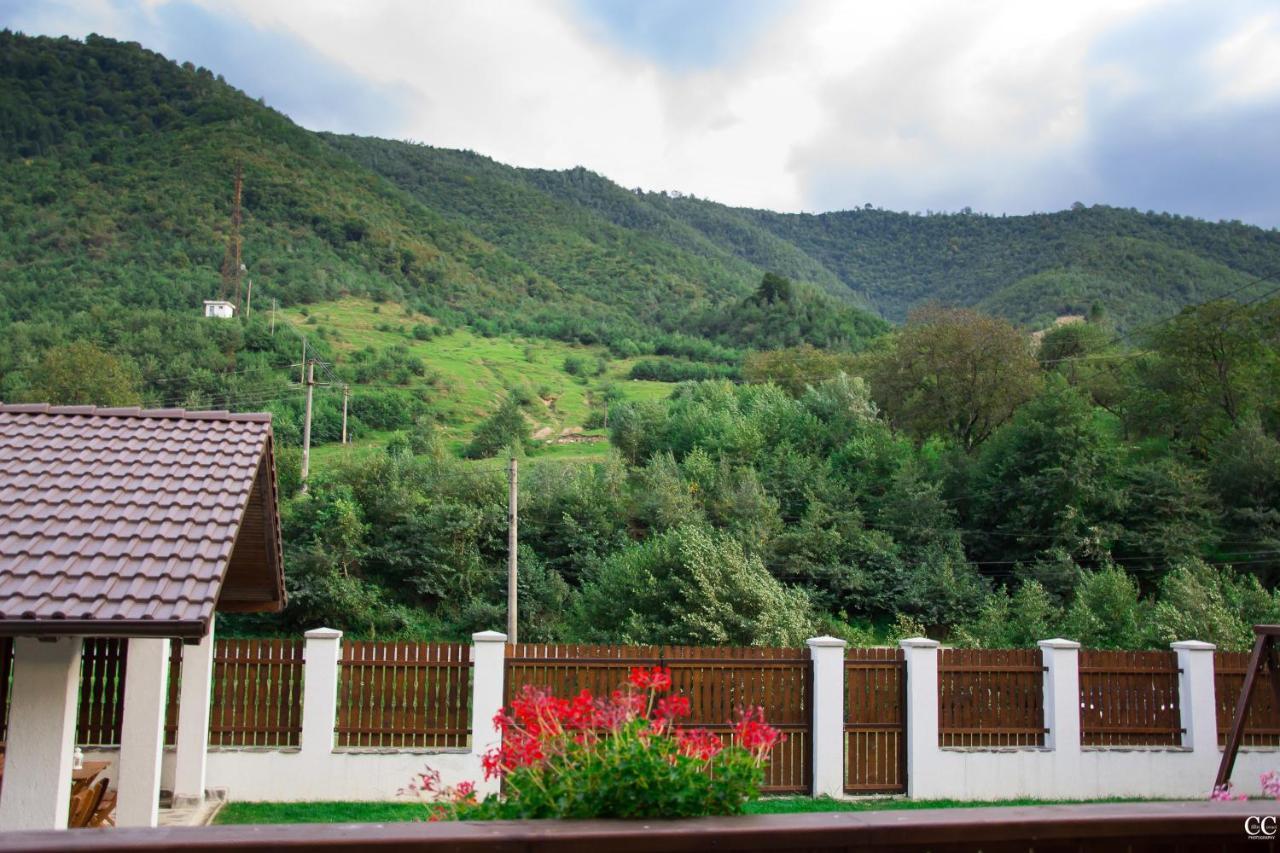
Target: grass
389	812
468	374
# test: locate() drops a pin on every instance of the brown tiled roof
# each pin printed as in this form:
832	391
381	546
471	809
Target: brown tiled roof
134	522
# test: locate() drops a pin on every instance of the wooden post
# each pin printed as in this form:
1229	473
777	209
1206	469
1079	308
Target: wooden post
511	554
346	392
248	301
306	425
1263	651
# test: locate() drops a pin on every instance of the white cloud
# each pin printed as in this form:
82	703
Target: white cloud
908	104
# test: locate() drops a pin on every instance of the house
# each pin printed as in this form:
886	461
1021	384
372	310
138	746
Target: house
124	523
219	308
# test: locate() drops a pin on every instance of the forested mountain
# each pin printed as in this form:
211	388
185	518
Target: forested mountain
117	164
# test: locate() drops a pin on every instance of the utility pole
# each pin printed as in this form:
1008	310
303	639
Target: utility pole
346	392
306	426
512	515
248	300
273	318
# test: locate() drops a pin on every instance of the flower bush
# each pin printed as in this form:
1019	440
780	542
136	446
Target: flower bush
1270	788
623	756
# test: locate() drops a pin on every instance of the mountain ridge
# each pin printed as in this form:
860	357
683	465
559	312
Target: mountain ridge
117	165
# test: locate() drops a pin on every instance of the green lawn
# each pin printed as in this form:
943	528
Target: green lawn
389	812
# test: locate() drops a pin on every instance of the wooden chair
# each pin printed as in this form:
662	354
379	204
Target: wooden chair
105	814
84	804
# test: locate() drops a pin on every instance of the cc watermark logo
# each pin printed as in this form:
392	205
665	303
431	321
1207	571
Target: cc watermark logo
1260	828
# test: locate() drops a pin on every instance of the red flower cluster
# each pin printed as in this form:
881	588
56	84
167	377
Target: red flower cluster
539	726
657	679
755	735
699	743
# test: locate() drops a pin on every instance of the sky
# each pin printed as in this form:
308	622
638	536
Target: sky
811	105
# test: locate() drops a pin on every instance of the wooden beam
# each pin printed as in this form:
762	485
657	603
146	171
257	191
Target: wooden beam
1263	650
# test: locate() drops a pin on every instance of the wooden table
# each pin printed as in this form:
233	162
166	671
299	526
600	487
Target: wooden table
87	774
79	778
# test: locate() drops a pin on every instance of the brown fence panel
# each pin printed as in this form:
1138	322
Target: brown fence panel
175	692
102	671
6	679
1262	722
1129	699
875	725
990	697
257	693
718	681
407	695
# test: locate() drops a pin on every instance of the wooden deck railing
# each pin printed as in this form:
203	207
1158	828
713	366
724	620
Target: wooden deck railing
1129	827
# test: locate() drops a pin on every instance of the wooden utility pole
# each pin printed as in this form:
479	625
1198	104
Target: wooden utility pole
512	515
248	300
306	425
346	392
273	317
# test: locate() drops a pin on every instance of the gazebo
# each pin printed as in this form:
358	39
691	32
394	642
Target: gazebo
124	523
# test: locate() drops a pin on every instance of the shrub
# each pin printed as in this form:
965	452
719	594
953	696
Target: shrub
624	756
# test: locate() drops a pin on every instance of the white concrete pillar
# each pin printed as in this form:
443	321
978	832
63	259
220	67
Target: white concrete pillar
146	687
42	733
921	656
1197	698
1061	694
827	745
488	671
193	722
320	690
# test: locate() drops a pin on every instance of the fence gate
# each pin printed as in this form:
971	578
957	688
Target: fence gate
875	725
717	680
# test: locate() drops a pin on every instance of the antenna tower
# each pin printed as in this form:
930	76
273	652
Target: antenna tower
232	265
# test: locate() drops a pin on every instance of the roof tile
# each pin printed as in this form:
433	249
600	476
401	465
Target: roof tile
121	514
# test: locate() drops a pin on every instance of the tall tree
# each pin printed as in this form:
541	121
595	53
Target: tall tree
954	372
81	374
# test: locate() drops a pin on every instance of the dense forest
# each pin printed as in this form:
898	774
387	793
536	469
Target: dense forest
866	439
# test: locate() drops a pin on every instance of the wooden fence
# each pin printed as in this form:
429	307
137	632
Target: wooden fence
1262	723
6	678
875	750
990	697
1129	699
404	695
717	680
257	693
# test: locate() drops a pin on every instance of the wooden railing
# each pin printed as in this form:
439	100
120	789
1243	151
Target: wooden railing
719	682
1129	827
1129	699
404	695
875	751
990	697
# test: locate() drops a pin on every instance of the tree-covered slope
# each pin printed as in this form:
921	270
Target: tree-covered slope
116	168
